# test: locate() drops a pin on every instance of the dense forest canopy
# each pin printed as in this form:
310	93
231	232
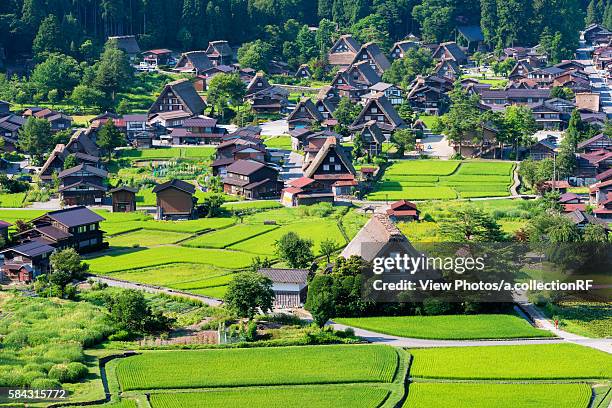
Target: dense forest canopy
183	24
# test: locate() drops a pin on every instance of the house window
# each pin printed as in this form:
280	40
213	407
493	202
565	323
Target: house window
337	167
374	110
326	167
332	159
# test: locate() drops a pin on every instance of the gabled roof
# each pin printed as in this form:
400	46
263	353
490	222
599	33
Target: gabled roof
374	130
127	43
219	48
73	216
566	197
378	232
258	78
378	57
385	107
310	107
245	167
277	275
403	203
81	137
301	182
177	184
365	70
184	90
83	167
4	224
604	176
581	217
405	45
453	49
331	143
31	249
124	188
198	59
344	58
83	182
594	139
471	33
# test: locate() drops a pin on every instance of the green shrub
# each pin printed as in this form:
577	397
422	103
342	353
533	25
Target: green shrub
71	372
121	335
76	371
436	307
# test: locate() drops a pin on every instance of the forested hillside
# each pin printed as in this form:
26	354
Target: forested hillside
188	24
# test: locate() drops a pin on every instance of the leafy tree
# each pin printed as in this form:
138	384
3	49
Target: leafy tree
306	42
320	299
417	61
35	138
211	205
518	126
49	37
109	138
504	67
249	292
70	161
328	247
346	112
404	139
462	119
471	224
297	252
87	96
562	92
372	28
113	72
68	261
130	311
255	55
57	71
595	233
224	90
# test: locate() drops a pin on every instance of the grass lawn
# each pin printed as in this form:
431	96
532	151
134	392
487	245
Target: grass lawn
146	238
124	403
228	236
318	230
278	142
461	327
443	395
115	261
315	396
443	180
258	366
15	200
542	361
429	120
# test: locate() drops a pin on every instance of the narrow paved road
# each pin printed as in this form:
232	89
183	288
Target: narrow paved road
155	289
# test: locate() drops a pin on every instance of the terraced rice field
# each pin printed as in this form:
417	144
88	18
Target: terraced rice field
168	153
543	361
317	231
316	396
226	237
190	226
115	261
188	277
458	327
257	366
457	395
146	238
439	180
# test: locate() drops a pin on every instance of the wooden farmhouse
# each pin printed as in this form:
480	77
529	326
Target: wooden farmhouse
450	51
175	200
4	226
306	191
380	110
178	96
343	52
371	137
156	57
220	53
403	210
289	286
74	227
193	62
55	162
401	48
127	44
303	72
332	167
82	185
24	262
252	180
372	53
124	198
304	115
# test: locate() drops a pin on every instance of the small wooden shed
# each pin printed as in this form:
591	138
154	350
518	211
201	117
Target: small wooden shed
124	199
